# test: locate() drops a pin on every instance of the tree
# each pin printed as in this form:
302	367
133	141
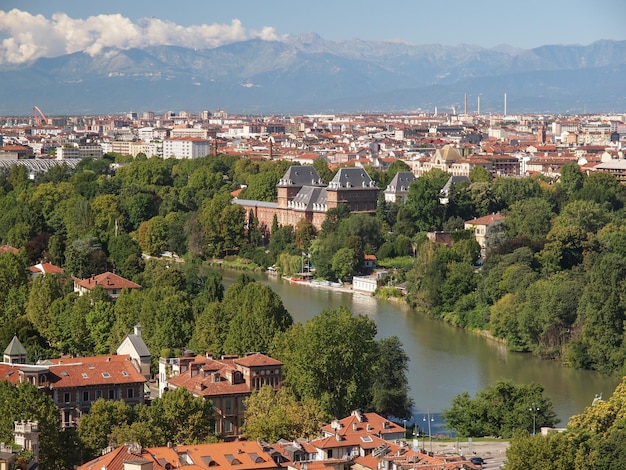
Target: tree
330	359
344	263
85	257
152	235
180	418
529	218
500	410
94	427
479	174
223	224
257	314
45	290
390	390
510	190
271	415
166	318
422	202
304	233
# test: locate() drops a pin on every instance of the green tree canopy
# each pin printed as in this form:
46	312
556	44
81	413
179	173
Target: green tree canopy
272	415
331	359
500	410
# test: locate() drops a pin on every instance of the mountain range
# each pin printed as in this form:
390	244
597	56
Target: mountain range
308	74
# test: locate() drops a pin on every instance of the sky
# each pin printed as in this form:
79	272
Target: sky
30	29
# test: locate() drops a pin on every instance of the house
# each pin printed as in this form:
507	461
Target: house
44	268
444	193
134	346
398	189
227	382
239	455
368	441
75	383
110	282
487	231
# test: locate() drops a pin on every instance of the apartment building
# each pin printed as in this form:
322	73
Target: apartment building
75	383
186	147
226	381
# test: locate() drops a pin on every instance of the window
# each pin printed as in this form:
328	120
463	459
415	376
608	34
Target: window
130	392
228	405
66	397
98	394
86	395
111	394
330	453
106	375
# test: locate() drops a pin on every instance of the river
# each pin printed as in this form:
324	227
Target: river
444	360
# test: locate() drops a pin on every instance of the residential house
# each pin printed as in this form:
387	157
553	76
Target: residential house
110	282
487	231
134	346
398	189
44	268
227	382
75	383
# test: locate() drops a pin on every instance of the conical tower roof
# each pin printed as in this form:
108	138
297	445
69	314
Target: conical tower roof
15	348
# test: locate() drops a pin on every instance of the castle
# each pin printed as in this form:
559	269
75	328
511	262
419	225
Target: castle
303	195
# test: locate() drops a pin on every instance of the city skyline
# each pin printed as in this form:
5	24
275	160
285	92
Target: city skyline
31	29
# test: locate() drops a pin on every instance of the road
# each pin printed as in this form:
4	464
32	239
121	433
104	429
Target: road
493	452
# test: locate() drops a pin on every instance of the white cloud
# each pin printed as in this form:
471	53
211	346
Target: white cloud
28	37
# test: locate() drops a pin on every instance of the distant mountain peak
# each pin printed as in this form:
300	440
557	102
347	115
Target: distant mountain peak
307	73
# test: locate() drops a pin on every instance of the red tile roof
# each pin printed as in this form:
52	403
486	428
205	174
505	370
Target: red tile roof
257	360
239	455
96	370
45	268
486	220
108	281
8	249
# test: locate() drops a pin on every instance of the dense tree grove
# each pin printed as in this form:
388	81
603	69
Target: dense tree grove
500	411
593	440
551	282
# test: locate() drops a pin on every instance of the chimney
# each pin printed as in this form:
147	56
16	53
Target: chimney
137	329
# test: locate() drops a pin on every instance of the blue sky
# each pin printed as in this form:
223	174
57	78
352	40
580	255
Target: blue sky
70	25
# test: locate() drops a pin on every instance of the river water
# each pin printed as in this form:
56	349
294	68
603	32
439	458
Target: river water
444	360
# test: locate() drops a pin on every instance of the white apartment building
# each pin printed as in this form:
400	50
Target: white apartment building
186	147
67	151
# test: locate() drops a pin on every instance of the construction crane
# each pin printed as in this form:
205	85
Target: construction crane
40	117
